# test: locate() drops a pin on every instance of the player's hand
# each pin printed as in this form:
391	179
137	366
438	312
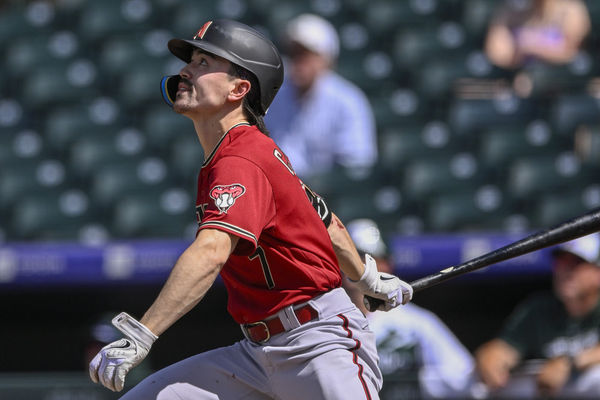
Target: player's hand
115	360
383	286
553	376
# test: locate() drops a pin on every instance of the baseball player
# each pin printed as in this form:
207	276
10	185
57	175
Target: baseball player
258	229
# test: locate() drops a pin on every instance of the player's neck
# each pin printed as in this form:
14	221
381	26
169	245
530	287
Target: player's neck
210	131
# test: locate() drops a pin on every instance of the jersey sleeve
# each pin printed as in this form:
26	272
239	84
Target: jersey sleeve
520	326
240	202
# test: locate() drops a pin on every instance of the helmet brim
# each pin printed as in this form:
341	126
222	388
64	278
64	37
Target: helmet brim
182	49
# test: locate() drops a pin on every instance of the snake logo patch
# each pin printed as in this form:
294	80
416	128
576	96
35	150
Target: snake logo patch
225	195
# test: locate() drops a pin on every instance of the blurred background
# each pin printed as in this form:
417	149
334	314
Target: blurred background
97	174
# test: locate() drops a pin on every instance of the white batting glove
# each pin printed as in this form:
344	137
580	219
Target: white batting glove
383	286
116	359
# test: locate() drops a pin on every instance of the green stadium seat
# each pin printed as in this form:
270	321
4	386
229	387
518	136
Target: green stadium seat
552	80
113	181
24	54
24	176
138	216
186	158
15	25
530	177
64	124
383	18
396	106
51	85
138	86
190	15
406	143
553	209
162	126
476	17
88	154
434	176
122	53
500	146
469	116
51	215
570	110
99	20
463	211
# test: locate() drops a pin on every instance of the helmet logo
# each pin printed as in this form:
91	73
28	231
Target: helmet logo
200	34
225	195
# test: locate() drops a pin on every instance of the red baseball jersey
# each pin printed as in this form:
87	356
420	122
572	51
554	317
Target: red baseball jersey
247	188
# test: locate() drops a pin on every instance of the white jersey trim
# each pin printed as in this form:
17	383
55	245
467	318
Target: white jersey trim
229	227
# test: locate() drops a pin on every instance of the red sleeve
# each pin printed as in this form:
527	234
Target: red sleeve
240	201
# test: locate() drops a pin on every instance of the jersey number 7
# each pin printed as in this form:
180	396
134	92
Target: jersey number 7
260	253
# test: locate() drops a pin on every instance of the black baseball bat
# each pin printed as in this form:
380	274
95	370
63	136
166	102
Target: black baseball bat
572	229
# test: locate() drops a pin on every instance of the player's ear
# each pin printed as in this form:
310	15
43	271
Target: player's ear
240	89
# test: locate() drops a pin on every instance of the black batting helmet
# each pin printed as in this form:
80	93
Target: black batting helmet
239	44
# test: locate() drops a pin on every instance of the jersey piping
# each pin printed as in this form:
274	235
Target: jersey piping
212	153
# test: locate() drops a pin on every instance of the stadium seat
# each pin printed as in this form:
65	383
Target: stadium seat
64	124
436	78
51	215
434	176
394	106
383	18
476	17
551	80
25	176
570	110
186	158
500	146
405	143
144	216
469	116
53	85
190	15
112	181
530	177
553	209
162	126
139	86
120	53
24	54
455	212
99	20
88	154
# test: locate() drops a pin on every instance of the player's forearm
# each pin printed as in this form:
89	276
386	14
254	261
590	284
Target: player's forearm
494	361
587	358
191	277
348	258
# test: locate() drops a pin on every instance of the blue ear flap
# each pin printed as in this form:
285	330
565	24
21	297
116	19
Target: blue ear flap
168	88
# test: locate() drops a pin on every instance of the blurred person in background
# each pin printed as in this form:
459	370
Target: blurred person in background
320	119
419	355
526	31
557	333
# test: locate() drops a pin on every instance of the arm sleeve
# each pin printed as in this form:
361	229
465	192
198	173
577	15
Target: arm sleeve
519	327
240	202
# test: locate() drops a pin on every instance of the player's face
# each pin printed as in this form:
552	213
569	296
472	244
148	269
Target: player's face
574	278
306	66
204	86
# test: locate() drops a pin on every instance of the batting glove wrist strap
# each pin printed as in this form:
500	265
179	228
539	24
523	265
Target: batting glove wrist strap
115	360
383	286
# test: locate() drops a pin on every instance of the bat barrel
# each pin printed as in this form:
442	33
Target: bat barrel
569	230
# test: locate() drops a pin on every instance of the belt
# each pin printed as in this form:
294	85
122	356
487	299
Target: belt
262	331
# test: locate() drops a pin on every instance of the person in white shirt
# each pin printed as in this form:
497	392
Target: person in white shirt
419	356
320	119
